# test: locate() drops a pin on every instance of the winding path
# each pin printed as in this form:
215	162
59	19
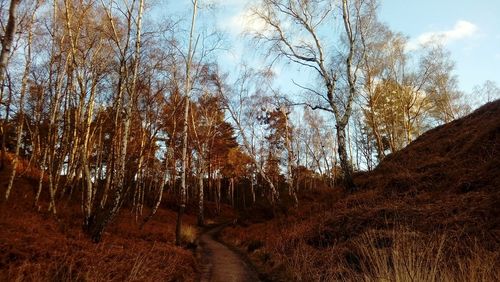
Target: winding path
219	263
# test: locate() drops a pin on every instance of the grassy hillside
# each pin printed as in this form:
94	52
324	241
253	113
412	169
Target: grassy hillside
430	212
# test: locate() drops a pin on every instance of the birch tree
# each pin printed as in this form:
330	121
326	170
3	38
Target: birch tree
124	103
297	31
5	52
187	92
242	111
24	86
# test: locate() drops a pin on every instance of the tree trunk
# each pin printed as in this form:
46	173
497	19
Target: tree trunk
8	38
218	195
24	85
201	217
183	194
231	190
155	207
252	190
291	160
344	160
187	90
4	123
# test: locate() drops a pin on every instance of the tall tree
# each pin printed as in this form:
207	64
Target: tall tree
187	94
5	53
287	19
125	100
242	102
24	86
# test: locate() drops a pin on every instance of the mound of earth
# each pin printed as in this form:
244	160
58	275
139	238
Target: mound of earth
448	180
461	156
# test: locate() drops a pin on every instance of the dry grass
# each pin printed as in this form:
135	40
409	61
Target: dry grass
140	267
189	234
36	247
403	255
24	168
396	255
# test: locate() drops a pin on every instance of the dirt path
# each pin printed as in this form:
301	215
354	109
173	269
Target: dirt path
219	263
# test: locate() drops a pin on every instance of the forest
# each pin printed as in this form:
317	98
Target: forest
136	147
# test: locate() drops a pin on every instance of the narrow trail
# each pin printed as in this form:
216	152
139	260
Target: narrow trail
221	264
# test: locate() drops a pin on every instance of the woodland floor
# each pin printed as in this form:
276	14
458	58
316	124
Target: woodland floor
35	245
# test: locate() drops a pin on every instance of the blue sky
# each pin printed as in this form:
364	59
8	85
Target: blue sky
476	53
470	30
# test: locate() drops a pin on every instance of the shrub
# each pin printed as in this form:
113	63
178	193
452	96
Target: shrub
189	234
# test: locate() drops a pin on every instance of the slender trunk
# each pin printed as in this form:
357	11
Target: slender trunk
4	123
218	196
183	192
201	216
156	206
408	126
18	142
8	38
139	177
344	120
252	189
187	90
160	191
349	143
375	130
52	134
291	160
42	175
231	190
24	85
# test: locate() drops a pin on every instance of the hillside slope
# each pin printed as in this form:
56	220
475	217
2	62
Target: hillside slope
435	205
460	157
448	178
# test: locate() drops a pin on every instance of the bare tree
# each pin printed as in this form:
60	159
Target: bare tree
24	86
307	48
238	103
487	92
5	53
128	75
187	92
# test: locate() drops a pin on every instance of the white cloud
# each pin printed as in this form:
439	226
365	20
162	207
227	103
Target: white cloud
244	21
461	30
225	2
